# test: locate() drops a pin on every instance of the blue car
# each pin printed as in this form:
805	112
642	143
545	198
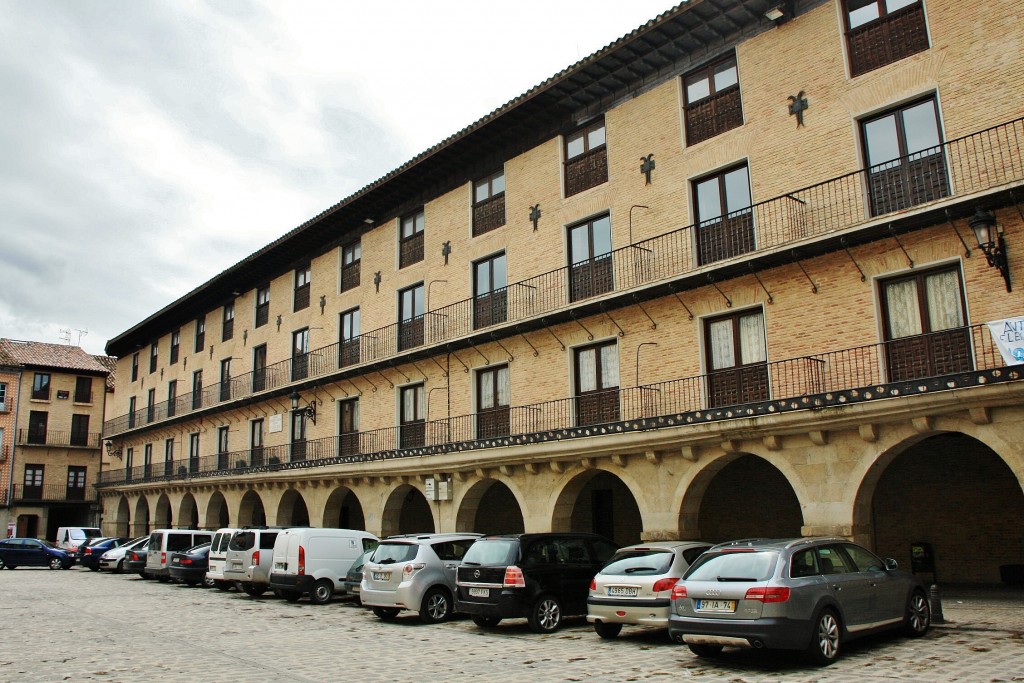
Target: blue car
32	552
89	553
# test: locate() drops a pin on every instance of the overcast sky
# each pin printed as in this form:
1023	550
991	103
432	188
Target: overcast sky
146	146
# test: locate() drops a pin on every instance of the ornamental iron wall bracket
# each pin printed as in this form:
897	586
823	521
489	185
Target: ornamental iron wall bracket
535	215
646	166
797	106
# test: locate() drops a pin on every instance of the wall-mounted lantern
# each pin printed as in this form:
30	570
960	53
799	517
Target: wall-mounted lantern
984	223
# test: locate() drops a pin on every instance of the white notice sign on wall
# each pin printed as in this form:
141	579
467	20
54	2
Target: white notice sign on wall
275	423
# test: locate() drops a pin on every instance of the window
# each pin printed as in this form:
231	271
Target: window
863	560
880	32
79	430
131	412
225	379
76	482
906	165
300	354
712	100
168	457
490	296
197	389
586	158
597	383
259	367
228	329
200	334
298	445
348	353
135	366
41	386
154	354
736	359
37	420
923	320
410	244
175	346
33	482
492	402
412	421
172	397
3	398
150	405
301	299
489	203
256	442
262	306
590	259
193	452
147	458
83	390
725	222
410	317
128	458
222	447
350	260
348	427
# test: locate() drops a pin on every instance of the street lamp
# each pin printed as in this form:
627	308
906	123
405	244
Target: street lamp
309	412
994	246
112	451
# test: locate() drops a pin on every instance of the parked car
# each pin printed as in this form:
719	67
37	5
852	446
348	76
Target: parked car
89	553
414	572
32	552
354	577
113	560
635	587
135	559
70	537
189	566
543	577
809	594
249	558
218	557
164	542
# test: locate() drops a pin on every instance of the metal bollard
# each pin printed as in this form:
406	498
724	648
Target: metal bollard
935	602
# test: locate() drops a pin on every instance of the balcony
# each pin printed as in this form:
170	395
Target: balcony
974	163
50	437
586	171
887	40
53	493
829	379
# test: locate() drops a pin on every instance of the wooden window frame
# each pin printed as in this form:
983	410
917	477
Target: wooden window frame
154	354
718	111
303	277
200	340
175	347
603	402
490	307
348	426
410	246
749	381
412	433
594	275
300	356
349	337
886	39
732	233
40	387
410	329
489	212
262	314
228	322
351	260
589	168
83	394
493	421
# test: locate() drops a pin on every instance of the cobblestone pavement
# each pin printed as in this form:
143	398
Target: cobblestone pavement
81	626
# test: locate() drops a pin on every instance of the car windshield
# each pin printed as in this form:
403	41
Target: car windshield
243	540
389	553
637	562
491	552
733	566
48	544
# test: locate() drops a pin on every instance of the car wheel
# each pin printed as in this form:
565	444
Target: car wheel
546	615
486	622
94	569
385	613
919	615
323	591
143	575
55	563
706	651
119	567
253	589
209	583
824	646
291	596
606	630
3	565
436	606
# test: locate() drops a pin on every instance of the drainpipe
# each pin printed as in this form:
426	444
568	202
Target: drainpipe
14	445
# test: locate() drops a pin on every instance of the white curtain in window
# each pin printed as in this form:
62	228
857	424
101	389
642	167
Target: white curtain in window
944	304
904	316
503	387
587	369
752	339
486	391
408	405
609	366
720	338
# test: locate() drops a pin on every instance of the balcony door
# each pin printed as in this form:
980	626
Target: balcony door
490	296
256	442
259	367
736	359
300	354
925	334
79	430
348	353
597	384
410	317
348	427
33	482
76	482
590	259
37	420
725	221
298	445
492	396
412	416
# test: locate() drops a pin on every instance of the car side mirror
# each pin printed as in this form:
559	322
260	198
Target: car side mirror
891	564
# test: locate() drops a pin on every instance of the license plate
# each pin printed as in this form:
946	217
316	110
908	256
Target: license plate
381	576
236	563
623	591
716	605
479	592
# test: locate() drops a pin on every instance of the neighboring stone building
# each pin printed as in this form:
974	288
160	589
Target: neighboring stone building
52	398
716	280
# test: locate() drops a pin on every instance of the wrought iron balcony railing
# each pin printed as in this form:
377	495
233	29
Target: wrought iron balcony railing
50	437
834	378
973	163
53	493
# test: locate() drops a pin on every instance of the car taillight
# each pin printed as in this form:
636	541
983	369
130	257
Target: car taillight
135	557
679	592
163	558
185	560
256	558
514	578
302	560
412	568
664	584
593	584
88	551
768	594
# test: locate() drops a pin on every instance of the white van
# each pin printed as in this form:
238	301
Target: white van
163	542
218	557
70	537
314	562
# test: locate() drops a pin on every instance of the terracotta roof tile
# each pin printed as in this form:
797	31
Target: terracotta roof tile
56	356
110	363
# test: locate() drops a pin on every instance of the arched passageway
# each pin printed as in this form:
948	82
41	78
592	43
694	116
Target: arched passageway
343	510
122	518
141	525
292	510
188	512
490	507
217	515
163	519
251	511
407	512
599	502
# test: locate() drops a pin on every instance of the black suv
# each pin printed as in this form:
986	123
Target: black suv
542	577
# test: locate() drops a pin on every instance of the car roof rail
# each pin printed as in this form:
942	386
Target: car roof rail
740	542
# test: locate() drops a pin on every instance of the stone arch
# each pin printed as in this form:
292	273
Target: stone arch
599	501
292	510
217	514
251	511
122	518
163	517
188	512
490	506
407	512
741	495
343	510
141	525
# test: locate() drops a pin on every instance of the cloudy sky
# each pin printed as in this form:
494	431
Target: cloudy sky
147	145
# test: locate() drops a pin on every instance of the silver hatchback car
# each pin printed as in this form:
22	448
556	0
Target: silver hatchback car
809	594
414	572
635	586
